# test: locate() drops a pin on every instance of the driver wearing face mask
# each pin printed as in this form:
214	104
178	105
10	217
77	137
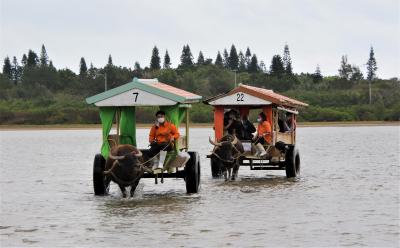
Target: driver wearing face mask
162	135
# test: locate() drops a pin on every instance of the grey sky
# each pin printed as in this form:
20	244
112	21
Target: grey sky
317	32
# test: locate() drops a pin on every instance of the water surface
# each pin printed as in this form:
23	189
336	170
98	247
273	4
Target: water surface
348	194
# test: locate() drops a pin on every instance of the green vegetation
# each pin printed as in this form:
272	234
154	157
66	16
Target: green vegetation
35	92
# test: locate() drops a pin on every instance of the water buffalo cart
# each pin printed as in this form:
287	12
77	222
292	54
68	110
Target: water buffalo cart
120	160
280	153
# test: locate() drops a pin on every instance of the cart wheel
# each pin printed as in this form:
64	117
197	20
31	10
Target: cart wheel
292	162
216	171
192	171
99	180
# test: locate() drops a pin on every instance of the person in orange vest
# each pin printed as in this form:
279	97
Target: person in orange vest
263	135
162	135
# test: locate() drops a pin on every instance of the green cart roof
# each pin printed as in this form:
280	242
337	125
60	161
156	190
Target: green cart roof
143	92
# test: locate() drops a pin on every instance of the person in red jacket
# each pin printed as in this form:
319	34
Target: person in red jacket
162	135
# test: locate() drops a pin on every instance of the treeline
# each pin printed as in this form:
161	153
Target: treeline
34	91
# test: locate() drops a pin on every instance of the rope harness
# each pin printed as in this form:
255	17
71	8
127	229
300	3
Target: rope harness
141	166
238	153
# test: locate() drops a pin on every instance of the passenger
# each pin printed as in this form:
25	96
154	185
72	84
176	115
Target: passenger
283	126
263	134
291	122
248	128
162	135
232	125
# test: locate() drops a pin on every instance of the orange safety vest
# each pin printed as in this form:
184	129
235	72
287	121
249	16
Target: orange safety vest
163	132
263	128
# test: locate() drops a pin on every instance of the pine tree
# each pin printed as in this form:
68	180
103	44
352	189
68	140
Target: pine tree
110	62
356	74
262	66
137	66
242	62
24	60
200	59
277	68
248	57
233	58
317	76
32	60
253	66
345	68
137	70
51	66
82	67
371	65
43	57
15	71
287	61
218	60
7	68
167	60
186	57
155	60
226	58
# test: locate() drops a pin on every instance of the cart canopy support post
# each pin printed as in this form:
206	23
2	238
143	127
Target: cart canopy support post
219	122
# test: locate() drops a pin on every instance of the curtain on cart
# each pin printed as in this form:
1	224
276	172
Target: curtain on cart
107	116
128	126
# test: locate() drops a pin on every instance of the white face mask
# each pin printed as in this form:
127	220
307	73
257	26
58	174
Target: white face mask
259	119
161	120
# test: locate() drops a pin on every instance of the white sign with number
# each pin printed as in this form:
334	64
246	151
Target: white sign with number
239	98
135	97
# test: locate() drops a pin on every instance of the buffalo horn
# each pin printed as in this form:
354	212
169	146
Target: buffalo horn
213	142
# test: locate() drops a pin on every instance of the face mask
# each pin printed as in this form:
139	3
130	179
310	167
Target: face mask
161	120
259	120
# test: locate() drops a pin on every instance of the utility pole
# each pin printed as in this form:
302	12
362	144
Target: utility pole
370	97
235	76
105	81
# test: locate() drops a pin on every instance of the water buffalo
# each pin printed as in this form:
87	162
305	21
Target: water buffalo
227	150
123	166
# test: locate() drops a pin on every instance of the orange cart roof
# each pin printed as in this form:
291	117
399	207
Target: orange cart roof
264	95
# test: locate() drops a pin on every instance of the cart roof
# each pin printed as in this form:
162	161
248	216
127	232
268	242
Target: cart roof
246	95
143	92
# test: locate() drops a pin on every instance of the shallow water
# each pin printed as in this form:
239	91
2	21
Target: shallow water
348	194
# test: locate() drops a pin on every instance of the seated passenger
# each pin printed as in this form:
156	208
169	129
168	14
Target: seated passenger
162	135
263	134
232	125
248	128
291	122
283	126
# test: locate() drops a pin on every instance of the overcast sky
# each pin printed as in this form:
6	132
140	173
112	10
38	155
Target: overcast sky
317	32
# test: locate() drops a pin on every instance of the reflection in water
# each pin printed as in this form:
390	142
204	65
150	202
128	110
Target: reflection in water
348	194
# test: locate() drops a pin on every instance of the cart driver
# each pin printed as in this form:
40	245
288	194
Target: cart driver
263	135
162	135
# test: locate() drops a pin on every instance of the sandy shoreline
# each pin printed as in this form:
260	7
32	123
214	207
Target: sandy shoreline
196	125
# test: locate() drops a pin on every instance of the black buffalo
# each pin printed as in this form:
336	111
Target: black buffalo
228	150
124	167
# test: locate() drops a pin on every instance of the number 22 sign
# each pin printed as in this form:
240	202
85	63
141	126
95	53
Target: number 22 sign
239	97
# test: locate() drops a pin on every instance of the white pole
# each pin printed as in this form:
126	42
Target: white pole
370	98
105	81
